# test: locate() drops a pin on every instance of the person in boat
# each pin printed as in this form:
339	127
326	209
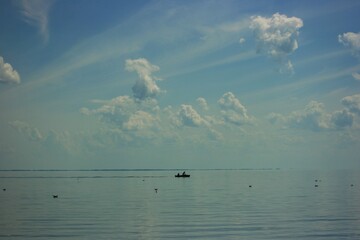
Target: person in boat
183	174
178	175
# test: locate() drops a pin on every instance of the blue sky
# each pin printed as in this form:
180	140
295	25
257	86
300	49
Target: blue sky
179	84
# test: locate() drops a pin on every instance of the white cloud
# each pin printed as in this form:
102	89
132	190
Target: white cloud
146	86
232	110
202	103
352	103
187	116
7	73
115	111
352	41
139	120
277	36
356	76
62	143
124	112
24	128
36	13
314	117
341	119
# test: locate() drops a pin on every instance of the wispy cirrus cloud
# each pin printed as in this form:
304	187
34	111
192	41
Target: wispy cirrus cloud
36	13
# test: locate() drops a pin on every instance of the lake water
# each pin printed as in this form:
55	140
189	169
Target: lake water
211	204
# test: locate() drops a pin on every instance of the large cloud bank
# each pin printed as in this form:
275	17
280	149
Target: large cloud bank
132	118
7	73
314	116
277	37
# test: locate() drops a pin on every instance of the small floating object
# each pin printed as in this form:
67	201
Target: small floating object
250	186
316	185
351	185
156	190
183	175
55	196
4	189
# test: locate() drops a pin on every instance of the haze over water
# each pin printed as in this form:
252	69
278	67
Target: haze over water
180	84
211	204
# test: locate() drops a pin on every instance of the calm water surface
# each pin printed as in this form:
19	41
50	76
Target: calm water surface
216	204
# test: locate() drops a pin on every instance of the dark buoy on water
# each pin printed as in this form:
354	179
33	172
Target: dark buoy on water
4	189
316	185
351	185
55	196
250	186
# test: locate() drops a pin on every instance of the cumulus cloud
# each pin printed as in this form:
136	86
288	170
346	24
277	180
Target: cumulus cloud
352	103
125	112
277	37
187	116
24	128
352	41
116	110
146	86
7	73
36	13
232	110
139	120
314	117
342	119
202	103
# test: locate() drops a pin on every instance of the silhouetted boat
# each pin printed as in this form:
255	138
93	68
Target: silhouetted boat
182	175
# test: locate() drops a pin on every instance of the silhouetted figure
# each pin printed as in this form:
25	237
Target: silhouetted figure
55	196
183	175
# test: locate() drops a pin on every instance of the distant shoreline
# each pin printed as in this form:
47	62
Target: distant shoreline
138	170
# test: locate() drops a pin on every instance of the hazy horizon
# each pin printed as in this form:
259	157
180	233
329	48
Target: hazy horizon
179	84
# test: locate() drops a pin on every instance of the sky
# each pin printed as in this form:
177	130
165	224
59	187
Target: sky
179	84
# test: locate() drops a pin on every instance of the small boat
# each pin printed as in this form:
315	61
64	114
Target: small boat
183	175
